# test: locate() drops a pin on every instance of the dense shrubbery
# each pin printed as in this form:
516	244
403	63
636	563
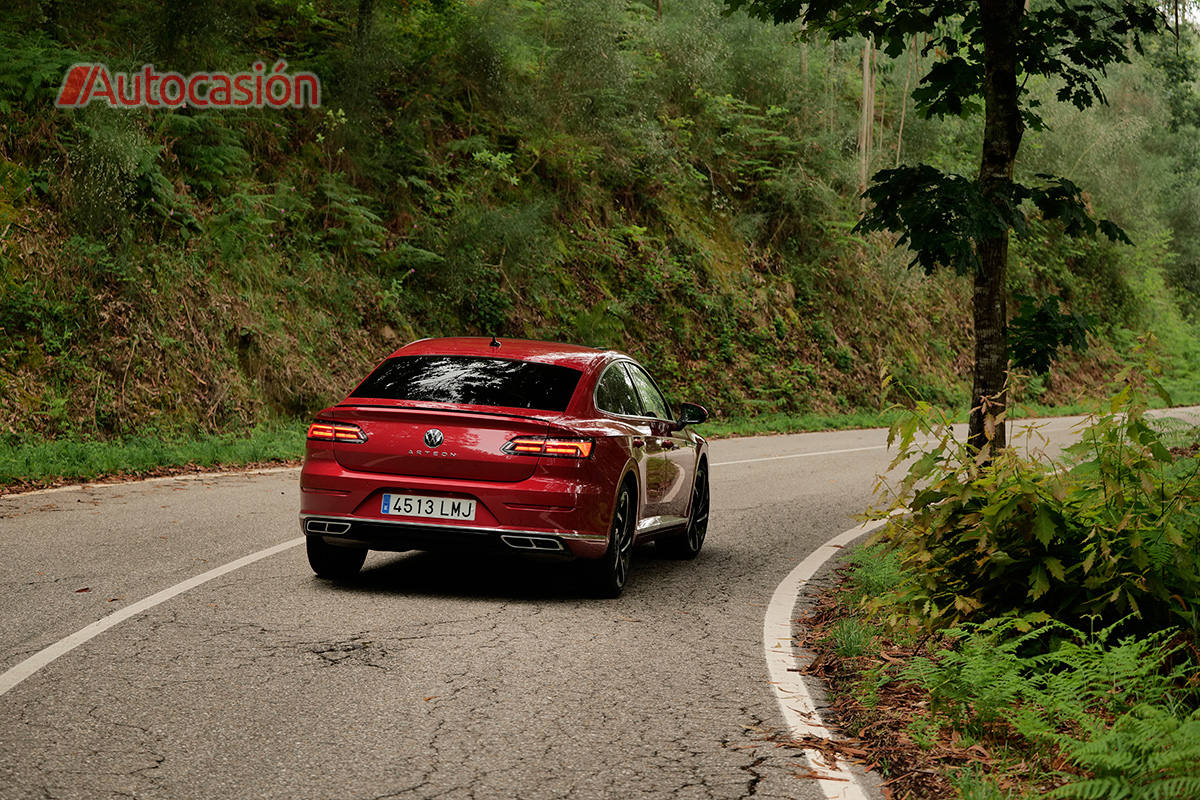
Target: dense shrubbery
1046	604
1110	531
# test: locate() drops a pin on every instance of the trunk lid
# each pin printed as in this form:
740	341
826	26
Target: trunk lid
469	448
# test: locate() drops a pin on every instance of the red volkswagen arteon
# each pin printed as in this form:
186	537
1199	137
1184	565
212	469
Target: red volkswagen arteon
535	448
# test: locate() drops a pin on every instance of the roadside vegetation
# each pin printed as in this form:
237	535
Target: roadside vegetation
38	464
1028	628
681	187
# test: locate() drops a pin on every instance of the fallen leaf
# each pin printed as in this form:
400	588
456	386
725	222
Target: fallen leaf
84	589
814	774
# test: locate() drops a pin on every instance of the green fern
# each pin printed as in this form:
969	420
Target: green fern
1147	754
1119	709
209	150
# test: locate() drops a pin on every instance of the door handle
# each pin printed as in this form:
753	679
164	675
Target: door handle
668	444
639	441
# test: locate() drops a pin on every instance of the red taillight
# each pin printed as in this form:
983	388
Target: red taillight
548	446
572	448
336	432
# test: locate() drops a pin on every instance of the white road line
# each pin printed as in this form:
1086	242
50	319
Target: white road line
802	455
184	476
791	690
21	671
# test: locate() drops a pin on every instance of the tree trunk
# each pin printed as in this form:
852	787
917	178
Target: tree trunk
1002	129
830	55
866	121
363	24
908	76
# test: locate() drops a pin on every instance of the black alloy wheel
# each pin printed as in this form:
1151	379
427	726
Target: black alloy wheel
687	543
611	571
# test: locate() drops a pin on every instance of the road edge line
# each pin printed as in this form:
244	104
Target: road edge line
802	455
14	675
795	700
100	483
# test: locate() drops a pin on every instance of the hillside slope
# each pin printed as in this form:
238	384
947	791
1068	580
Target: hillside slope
681	188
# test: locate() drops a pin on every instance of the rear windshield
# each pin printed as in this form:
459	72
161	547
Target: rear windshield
470	380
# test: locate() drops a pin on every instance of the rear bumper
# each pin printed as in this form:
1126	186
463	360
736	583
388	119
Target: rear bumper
400	536
544	515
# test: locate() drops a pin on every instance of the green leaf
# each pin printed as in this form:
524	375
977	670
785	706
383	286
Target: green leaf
1160	390
1054	567
1043	526
1039	582
923	465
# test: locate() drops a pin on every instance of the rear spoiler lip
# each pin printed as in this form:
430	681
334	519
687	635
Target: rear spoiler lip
448	409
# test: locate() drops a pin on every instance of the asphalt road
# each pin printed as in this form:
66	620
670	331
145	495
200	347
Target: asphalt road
427	677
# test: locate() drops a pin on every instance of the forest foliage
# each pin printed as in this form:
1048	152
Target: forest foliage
1038	614
683	188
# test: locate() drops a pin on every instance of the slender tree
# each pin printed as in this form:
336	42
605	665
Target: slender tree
866	119
983	52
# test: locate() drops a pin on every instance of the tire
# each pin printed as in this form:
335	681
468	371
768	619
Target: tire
610	572
333	562
687	543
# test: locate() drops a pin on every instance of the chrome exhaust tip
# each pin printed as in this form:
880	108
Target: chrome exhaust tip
543	544
326	526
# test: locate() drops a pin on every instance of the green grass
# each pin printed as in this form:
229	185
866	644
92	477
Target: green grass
41	462
851	638
876	571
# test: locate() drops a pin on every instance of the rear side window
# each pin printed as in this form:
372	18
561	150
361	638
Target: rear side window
653	404
615	394
470	380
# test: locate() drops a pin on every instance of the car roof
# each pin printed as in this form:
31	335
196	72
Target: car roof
567	355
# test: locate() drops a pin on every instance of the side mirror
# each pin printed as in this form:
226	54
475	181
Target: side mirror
691	414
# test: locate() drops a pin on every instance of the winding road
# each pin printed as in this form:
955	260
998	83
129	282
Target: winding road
429	676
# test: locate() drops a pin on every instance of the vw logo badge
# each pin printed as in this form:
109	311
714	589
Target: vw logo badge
433	437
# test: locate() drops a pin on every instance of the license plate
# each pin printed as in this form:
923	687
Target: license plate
411	505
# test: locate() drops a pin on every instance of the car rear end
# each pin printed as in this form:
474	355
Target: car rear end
457	451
